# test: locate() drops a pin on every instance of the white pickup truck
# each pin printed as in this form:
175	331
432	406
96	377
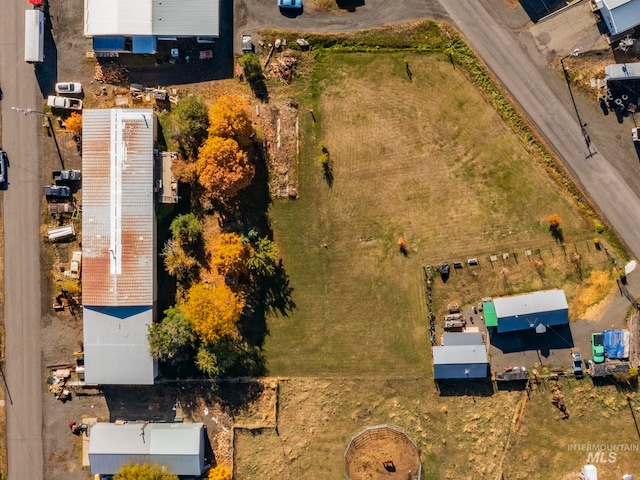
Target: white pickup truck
56	101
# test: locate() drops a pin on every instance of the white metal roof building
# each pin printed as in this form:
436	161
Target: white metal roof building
622	71
531	310
460	361
176	18
118	245
177	446
619	15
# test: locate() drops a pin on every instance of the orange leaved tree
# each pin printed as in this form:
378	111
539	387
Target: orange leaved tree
229	118
214	311
222	168
74	122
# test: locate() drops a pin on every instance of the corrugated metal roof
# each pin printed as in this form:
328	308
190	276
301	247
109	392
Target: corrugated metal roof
530	303
117	17
118	221
116	349
459	354
462	338
187	18
620	15
178	446
622	71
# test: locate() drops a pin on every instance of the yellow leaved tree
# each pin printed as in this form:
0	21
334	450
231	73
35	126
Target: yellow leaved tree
214	311
223	169
230	254
229	118
219	473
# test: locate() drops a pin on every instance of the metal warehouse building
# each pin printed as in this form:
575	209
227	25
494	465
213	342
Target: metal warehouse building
136	25
536	310
118	245
461	355
177	446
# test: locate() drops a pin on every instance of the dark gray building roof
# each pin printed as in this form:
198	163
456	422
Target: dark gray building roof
462	338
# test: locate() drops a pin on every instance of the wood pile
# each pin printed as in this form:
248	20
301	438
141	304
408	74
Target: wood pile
285	68
112	73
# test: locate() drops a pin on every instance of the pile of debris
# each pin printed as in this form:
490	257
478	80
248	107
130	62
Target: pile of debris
59	382
285	68
557	398
112	73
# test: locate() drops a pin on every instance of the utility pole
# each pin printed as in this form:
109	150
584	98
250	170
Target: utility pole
29	111
585	135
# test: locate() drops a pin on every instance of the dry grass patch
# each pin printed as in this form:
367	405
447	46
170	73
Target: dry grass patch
423	158
317	418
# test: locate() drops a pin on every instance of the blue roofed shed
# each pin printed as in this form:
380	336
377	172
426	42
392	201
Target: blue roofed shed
536	310
451	362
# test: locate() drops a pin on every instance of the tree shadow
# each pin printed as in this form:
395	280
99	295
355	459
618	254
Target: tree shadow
350	5
556	233
327	172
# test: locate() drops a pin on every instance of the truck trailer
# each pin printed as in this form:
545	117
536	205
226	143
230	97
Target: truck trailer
34	36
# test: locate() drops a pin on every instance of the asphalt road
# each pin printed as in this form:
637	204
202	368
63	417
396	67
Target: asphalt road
250	16
519	74
22	303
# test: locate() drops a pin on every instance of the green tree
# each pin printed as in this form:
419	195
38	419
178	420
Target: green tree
264	258
255	78
143	471
170	337
178	263
186	231
192	118
215	359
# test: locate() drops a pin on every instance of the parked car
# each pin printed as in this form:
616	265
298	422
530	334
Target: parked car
69	175
576	356
290	3
76	265
56	191
3	166
68	87
55	101
597	347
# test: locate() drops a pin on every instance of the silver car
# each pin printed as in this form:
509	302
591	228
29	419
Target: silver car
68	87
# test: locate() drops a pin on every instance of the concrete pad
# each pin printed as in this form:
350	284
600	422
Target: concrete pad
573	27
89	422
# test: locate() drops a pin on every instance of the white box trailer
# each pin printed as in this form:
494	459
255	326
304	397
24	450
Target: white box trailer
33	36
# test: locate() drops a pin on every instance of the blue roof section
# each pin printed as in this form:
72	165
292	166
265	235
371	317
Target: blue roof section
119	312
460	361
522	312
108	44
144	44
614	344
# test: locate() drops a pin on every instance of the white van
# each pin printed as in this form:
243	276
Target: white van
34	36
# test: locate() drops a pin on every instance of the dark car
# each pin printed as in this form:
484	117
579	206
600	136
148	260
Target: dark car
56	191
3	166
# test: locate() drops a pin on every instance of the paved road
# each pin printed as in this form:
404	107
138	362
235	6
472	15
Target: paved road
519	74
22	309
261	14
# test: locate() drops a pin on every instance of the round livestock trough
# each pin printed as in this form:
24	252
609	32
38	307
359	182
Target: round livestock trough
382	452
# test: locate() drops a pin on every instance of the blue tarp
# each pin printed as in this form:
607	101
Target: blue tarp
614	341
144	44
108	44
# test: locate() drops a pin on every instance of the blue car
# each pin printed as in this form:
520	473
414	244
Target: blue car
290	3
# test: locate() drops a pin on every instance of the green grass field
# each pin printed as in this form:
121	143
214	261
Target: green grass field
426	159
